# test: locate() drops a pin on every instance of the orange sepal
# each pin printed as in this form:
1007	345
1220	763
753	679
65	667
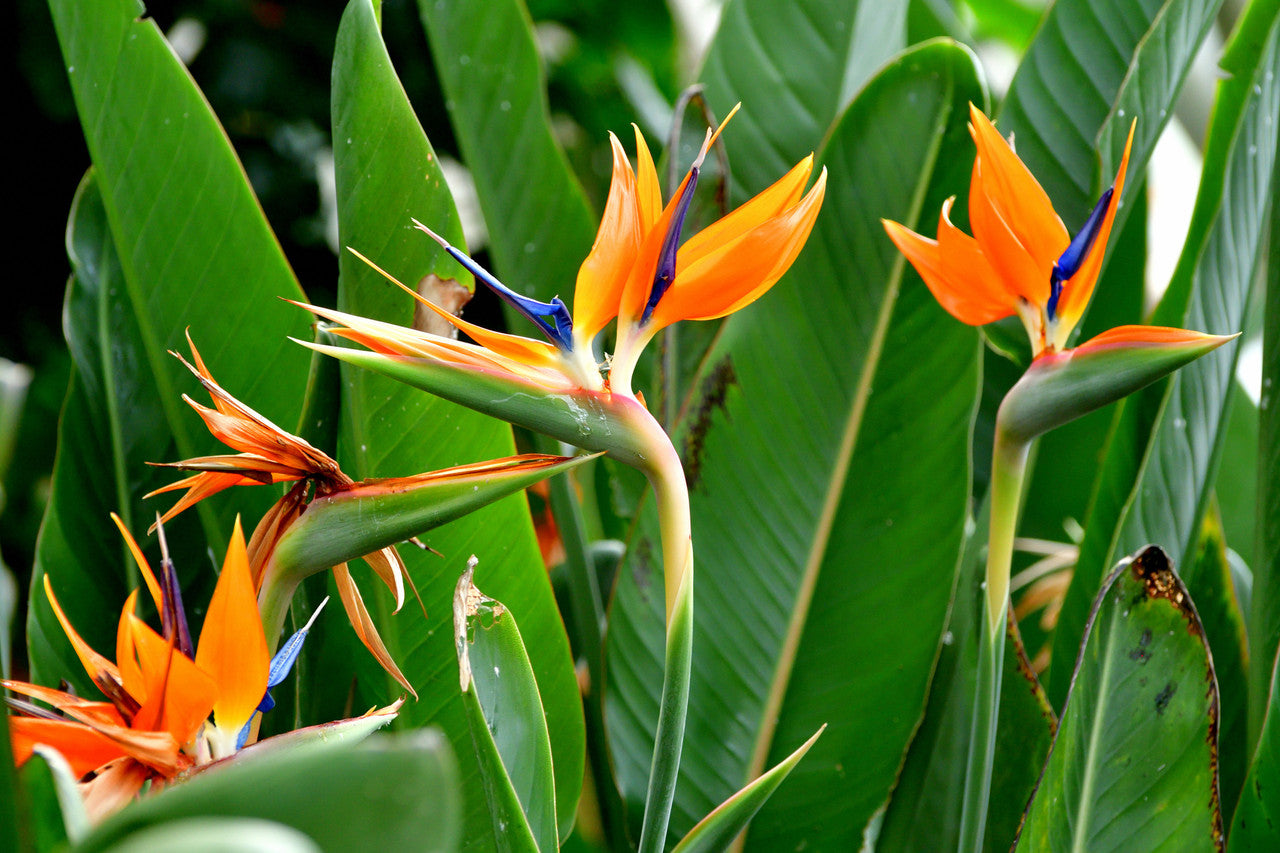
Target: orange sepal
233	649
153	585
84	748
179	694
353	603
1146	335
735	274
648	191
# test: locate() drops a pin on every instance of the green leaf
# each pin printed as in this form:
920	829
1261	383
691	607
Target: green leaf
1256	825
1161	460
540	225
1236	487
792	551
789	106
1093	67
717	830
216	835
924	811
1133	765
199	254
504	712
389	429
400	793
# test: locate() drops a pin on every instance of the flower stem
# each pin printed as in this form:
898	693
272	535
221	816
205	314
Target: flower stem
666	476
1008	467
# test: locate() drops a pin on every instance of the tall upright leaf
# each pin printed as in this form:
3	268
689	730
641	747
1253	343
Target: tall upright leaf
540	225
197	253
789	105
1162	457
802	512
386	174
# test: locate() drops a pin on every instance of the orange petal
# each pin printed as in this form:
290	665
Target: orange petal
640	282
737	273
1017	195
955	270
199	487
522	349
388	566
603	275
232	647
83	710
95	664
784	194
363	625
153	585
131	677
84	748
1077	290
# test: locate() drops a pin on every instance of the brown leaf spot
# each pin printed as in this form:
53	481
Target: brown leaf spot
711	396
447	294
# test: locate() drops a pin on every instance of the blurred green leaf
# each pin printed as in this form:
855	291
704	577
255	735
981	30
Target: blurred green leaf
540	225
199	255
216	835
53	810
386	174
1161	460
800	510
396	793
1133	765
504	712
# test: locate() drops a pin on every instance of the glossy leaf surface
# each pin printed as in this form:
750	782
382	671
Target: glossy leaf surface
789	567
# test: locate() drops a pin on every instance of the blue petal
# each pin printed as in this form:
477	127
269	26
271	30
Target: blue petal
1069	264
285	659
666	270
552	318
244	734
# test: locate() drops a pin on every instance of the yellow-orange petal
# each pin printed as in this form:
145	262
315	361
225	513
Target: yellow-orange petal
739	272
1017	270
84	748
603	274
153	585
784	194
640	281
956	272
1079	288
233	647
648	190
94	664
522	349
1015	192
358	614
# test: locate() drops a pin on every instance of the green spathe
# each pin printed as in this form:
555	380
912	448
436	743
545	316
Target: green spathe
1059	388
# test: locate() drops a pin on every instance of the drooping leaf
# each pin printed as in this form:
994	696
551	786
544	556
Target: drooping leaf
791	555
342	797
1133	765
504	712
385	175
1161	460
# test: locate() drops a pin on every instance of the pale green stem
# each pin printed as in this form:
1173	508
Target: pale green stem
274	600
1008	466
666	476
